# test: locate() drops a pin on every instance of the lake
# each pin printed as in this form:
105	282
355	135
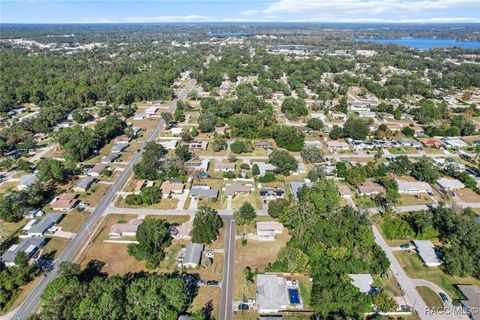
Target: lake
426	43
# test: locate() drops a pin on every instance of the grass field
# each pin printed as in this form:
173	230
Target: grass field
54	247
72	221
414	268
432	300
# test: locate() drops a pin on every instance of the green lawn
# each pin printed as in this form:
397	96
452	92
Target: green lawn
414	268
432	300
364	202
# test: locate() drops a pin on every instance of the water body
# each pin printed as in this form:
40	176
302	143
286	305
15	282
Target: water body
426	43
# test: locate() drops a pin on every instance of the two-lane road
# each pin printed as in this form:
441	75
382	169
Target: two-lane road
84	234
226	301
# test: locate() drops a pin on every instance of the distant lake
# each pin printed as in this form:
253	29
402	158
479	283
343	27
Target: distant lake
426	43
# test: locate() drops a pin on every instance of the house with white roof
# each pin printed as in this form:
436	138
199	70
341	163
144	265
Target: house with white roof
265	168
413	187
267	230
272	294
450	184
427	253
363	281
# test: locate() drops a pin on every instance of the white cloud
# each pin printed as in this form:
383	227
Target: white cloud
189	18
250	12
366	7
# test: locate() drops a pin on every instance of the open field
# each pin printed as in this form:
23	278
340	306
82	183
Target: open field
54	247
468	195
432	300
73	220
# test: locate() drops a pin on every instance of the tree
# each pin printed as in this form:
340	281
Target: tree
384	302
206	122
315	123
425	170
284	162
356	128
312	154
245	214
51	170
206	225
219	143
294	108
183	153
289	137
151	162
255	169
276	207
408	131
240	147
342	169
153	236
336	133
167	117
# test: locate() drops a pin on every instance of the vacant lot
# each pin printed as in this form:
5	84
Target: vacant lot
95	194
412	200
256	255
414	268
54	247
73	220
468	195
206	296
432	300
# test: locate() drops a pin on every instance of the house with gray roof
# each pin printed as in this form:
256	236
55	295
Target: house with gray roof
264	168
110	158
29	246
362	281
192	256
83	184
296	186
426	251
26	181
39	228
272	294
203	192
119	147
472	302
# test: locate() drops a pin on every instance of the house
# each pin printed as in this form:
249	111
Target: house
263	144
128	229
196	165
151	110
41	227
139	186
119	147
455	143
140	116
427	253
266	230
366	114
169	187
29	246
272	294
198	145
345	192
432	143
169	145
272	194
315	144
224	166
33	214
237	188
101	103
97	169
413	187
362	281
471	304
65	202
264	168
83	184
370	188
176	131
136	131
199	191
26	181
29	225
110	158
450	184
295	186
301	168
334	145
410	143
191	257
122	139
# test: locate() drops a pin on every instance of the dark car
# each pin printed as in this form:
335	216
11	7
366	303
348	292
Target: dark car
405	245
243	306
443	296
212	283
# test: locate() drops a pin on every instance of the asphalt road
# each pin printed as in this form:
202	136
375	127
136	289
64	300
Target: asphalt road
226	301
84	234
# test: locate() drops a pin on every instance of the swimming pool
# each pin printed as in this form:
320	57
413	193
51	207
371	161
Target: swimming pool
293	296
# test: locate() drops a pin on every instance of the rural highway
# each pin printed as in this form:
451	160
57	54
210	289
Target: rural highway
84	234
226	301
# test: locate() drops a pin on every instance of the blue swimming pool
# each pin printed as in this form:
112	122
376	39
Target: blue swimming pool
294	296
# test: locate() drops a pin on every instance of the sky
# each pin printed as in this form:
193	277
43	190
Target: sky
129	11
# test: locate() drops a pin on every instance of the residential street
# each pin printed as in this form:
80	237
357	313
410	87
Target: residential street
226	301
84	234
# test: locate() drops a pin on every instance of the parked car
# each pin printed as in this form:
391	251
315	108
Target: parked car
405	245
443	296
243	306
212	283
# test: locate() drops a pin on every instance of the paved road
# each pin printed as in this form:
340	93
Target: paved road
172	212
84	234
408	285
226	301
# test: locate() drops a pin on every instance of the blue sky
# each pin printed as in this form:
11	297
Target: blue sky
92	11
